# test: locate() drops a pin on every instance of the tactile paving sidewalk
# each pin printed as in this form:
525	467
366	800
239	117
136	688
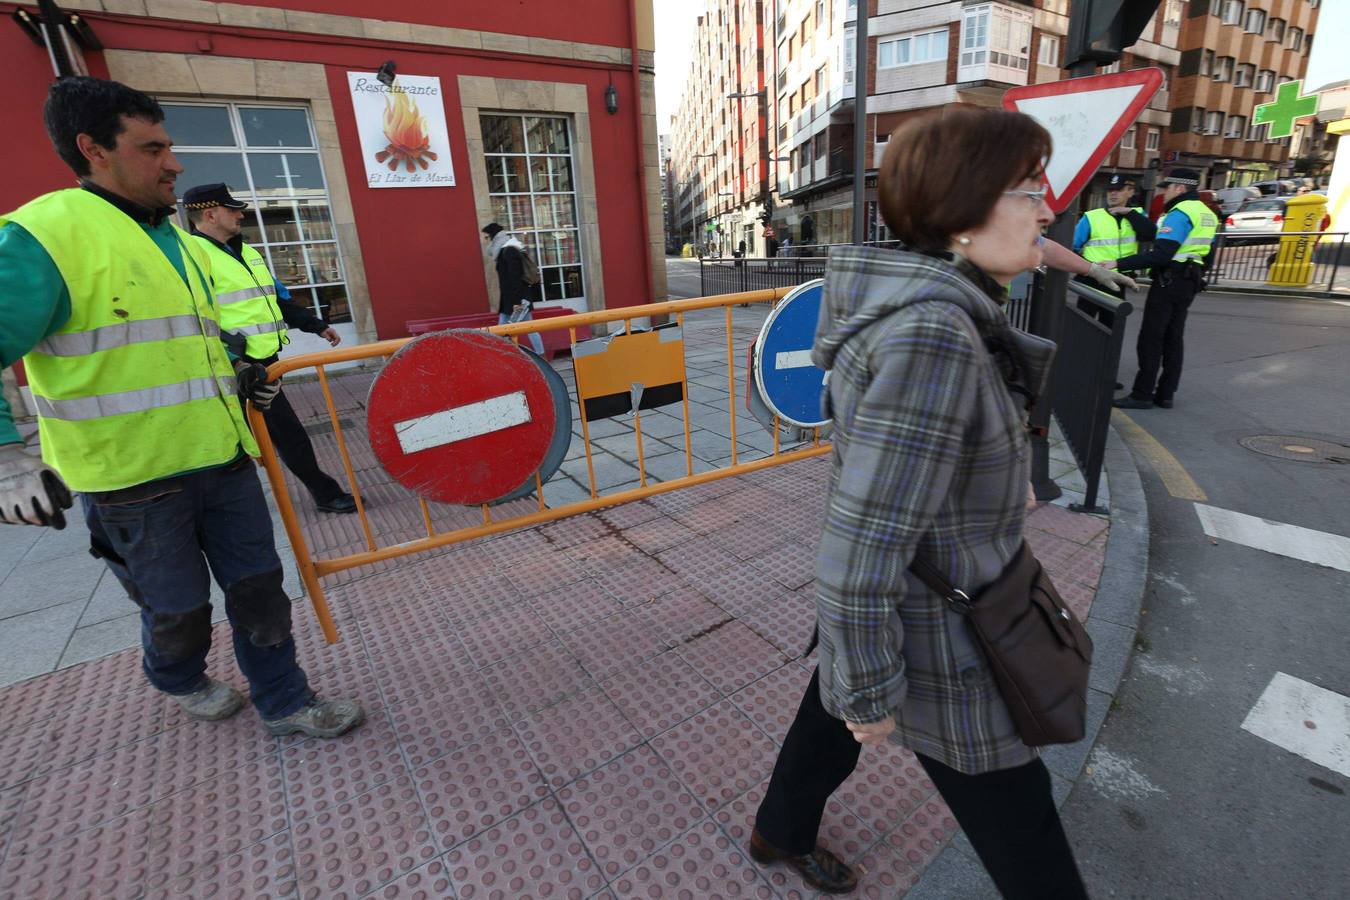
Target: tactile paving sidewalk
587	708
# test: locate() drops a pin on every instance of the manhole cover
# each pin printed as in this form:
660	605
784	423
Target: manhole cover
1297	447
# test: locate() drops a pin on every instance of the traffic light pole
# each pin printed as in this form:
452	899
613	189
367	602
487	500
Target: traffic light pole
1047	306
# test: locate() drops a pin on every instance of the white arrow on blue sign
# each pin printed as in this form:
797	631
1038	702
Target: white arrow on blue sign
790	385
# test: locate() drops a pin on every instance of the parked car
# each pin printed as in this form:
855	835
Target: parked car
1231	199
1279	187
1255	220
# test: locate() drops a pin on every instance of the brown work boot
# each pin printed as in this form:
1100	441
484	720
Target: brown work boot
212	703
321	719
820	868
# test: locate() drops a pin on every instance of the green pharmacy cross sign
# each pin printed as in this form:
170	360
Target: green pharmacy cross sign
1287	107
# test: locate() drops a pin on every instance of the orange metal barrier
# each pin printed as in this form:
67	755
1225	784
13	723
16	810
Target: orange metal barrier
311	569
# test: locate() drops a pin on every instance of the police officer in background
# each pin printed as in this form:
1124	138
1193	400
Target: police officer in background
1114	231
110	306
1177	259
255	310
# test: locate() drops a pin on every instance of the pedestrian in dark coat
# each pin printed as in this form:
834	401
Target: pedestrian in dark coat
508	254
928	394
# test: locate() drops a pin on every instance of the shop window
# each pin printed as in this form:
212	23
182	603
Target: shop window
268	157
912	49
532	189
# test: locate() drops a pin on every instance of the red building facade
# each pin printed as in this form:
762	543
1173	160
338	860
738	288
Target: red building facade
262	95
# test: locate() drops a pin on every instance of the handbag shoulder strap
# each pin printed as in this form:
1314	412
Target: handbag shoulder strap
956	598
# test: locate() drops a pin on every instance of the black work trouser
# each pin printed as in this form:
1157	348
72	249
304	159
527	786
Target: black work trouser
294	447
1009	815
1161	336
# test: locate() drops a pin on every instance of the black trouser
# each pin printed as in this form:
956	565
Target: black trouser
293	446
1009	815
1161	333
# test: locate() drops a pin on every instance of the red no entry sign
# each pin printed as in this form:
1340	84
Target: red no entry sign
461	417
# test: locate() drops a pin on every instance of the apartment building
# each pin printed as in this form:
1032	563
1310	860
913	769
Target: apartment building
720	149
1234	56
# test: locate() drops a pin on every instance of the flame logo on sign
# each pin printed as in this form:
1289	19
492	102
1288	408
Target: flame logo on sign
406	130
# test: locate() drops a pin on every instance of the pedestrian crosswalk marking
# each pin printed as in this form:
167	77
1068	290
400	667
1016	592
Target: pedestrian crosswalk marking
1293	541
1305	719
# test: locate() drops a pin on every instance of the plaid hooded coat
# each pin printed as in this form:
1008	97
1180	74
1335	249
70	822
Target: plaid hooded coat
928	388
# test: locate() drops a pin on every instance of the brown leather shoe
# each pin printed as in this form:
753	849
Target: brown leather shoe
820	868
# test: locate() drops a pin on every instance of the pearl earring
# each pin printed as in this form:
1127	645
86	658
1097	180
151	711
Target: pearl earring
963	241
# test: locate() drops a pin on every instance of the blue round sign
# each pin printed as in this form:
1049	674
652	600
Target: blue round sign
789	383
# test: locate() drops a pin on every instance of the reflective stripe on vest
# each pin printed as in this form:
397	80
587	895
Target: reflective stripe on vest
96	340
135	386
248	298
1109	238
1204	226
124	402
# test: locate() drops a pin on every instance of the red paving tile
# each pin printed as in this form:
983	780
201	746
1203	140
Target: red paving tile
474	788
576	736
701	863
628	809
719	754
352	848
731	656
509	684
536	853
660	693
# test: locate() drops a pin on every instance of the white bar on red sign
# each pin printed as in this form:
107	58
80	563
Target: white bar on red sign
463	422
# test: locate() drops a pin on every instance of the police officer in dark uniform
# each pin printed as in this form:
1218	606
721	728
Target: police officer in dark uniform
1178	259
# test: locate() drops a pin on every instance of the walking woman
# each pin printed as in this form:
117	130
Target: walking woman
929	388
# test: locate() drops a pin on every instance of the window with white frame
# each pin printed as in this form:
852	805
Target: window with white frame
1048	53
1127	139
1244	75
912	49
1109	69
1213	122
1198	120
1056	6
1153	139
1236	126
1257	132
1265	81
1294	39
850	51
975	36
1256	21
532	189
1172	14
268	157
1232	11
1206	62
1223	68
1275	30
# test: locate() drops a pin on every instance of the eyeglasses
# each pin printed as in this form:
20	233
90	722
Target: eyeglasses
1036	197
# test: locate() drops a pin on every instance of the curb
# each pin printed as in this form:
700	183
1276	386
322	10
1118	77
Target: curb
1113	623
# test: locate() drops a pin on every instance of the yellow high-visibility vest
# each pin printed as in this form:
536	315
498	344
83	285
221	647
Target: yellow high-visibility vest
135	386
247	296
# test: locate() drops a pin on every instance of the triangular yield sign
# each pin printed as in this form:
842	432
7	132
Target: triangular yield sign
1085	118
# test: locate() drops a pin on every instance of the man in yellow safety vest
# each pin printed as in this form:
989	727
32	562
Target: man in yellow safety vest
1113	231
110	306
1178	260
255	310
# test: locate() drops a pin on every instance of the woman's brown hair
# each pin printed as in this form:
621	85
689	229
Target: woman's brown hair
943	172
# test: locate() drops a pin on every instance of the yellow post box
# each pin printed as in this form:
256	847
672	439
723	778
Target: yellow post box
1294	259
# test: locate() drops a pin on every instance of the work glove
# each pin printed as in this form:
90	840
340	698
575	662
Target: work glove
1110	278
31	493
253	384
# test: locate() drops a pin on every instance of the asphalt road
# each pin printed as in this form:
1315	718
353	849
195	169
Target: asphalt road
1181	802
682	278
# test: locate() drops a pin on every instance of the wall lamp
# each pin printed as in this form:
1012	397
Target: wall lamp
385	75
611	98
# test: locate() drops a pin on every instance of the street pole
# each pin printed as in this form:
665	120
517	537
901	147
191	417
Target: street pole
860	123
1047	306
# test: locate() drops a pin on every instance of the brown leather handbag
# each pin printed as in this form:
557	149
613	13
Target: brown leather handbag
1038	651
